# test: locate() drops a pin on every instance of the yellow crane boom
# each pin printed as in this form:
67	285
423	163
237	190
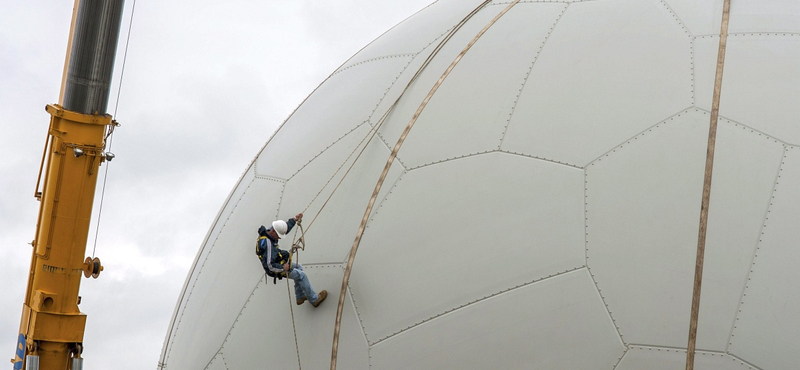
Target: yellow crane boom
52	326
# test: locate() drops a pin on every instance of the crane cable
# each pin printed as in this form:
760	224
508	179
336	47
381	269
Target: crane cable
109	135
390	161
701	237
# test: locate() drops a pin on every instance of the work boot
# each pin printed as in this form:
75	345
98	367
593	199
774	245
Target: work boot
320	297
301	300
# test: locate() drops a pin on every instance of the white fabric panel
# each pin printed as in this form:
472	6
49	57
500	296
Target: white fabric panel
650	358
327	115
225	279
331	235
766	330
513	220
470	111
513	330
760	82
609	70
416	32
257	342
642	212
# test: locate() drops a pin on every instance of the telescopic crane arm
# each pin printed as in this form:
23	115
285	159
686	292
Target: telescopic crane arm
52	326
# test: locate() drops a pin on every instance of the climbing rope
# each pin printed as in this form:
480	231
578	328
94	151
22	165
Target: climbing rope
701	237
297	245
370	134
374	130
296	345
390	161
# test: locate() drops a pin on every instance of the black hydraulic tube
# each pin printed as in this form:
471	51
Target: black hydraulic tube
91	61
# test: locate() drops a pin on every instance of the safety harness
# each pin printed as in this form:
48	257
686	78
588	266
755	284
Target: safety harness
282	257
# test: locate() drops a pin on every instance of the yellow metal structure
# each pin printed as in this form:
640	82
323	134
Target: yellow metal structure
52	324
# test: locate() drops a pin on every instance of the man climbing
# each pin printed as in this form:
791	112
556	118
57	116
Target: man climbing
276	261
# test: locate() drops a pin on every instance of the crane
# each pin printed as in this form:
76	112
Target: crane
52	325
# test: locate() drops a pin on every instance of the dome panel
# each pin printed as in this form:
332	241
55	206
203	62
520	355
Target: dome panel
249	331
330	236
497	258
219	223
654	358
609	70
315	325
327	115
704	56
218	363
353	347
224	278
514	219
765	331
764	16
418	31
647	276
477	104
759	84
745	166
642	211
512	330
410	101
699	17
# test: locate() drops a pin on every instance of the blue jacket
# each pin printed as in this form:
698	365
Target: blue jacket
268	250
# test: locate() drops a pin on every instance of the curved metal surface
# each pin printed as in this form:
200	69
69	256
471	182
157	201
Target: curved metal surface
389	162
543	212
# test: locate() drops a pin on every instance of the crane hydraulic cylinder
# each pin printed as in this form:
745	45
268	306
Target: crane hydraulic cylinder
52	326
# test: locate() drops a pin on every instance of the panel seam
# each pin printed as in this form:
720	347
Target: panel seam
755	251
528	74
479	300
552	161
640	133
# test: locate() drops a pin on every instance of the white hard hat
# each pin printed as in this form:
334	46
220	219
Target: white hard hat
280	227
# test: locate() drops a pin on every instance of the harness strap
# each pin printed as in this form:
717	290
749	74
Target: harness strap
283	257
258	247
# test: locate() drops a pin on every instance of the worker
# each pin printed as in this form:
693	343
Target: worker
276	261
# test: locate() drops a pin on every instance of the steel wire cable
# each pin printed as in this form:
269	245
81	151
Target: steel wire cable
109	135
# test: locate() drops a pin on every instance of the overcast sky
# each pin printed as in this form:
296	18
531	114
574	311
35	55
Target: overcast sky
206	83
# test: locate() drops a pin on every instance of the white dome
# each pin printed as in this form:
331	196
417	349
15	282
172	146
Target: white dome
543	211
